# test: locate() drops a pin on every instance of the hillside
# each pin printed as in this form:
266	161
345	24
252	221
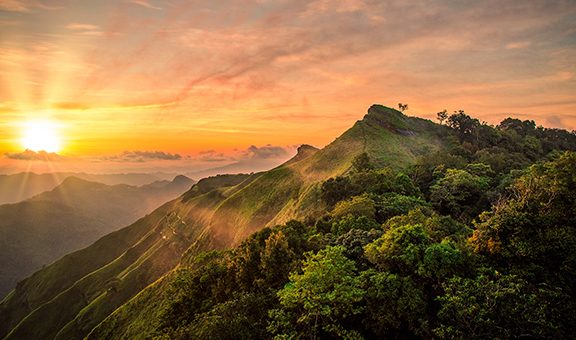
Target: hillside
408	273
393	256
119	286
219	218
40	230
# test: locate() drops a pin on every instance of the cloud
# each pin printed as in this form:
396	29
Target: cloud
144	156
14	6
555	121
30	155
92	33
265	152
252	153
213	156
70	106
24	6
144	3
518	45
85	29
81	27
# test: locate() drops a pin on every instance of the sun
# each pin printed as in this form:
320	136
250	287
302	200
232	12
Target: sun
41	136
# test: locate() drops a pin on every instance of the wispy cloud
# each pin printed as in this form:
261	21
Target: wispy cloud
15	6
82	27
518	45
85	29
70	106
24	6
144	3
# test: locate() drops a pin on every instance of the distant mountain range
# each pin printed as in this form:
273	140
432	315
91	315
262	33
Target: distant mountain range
240	167
18	187
71	216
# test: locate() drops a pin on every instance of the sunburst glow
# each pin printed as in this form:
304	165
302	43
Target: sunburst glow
41	136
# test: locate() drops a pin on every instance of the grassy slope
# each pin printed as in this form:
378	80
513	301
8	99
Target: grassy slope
220	217
390	138
90	282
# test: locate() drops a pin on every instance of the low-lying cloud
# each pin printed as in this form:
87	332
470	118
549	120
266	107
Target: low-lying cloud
253	152
213	156
29	155
144	156
265	152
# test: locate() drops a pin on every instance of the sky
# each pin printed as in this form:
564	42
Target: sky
150	85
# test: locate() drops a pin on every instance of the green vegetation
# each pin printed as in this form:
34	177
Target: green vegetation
418	274
38	231
400	228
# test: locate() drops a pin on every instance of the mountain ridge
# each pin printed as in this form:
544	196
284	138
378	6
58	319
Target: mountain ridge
224	216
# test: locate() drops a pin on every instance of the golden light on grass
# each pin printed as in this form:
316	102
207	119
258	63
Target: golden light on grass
41	135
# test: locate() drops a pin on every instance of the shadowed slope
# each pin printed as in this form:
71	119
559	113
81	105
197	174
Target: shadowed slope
38	231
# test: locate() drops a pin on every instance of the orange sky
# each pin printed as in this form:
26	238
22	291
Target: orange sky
205	80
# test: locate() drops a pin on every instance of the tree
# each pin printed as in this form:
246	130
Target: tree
337	189
392	204
320	301
395	306
362	163
464	125
356	206
402	107
442	260
354	241
350	222
459	193
535	230
243	317
523	128
400	250
276	260
442	116
497	306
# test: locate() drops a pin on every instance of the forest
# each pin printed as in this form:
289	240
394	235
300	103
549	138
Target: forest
477	240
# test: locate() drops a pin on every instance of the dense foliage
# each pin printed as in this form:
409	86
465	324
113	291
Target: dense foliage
472	242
